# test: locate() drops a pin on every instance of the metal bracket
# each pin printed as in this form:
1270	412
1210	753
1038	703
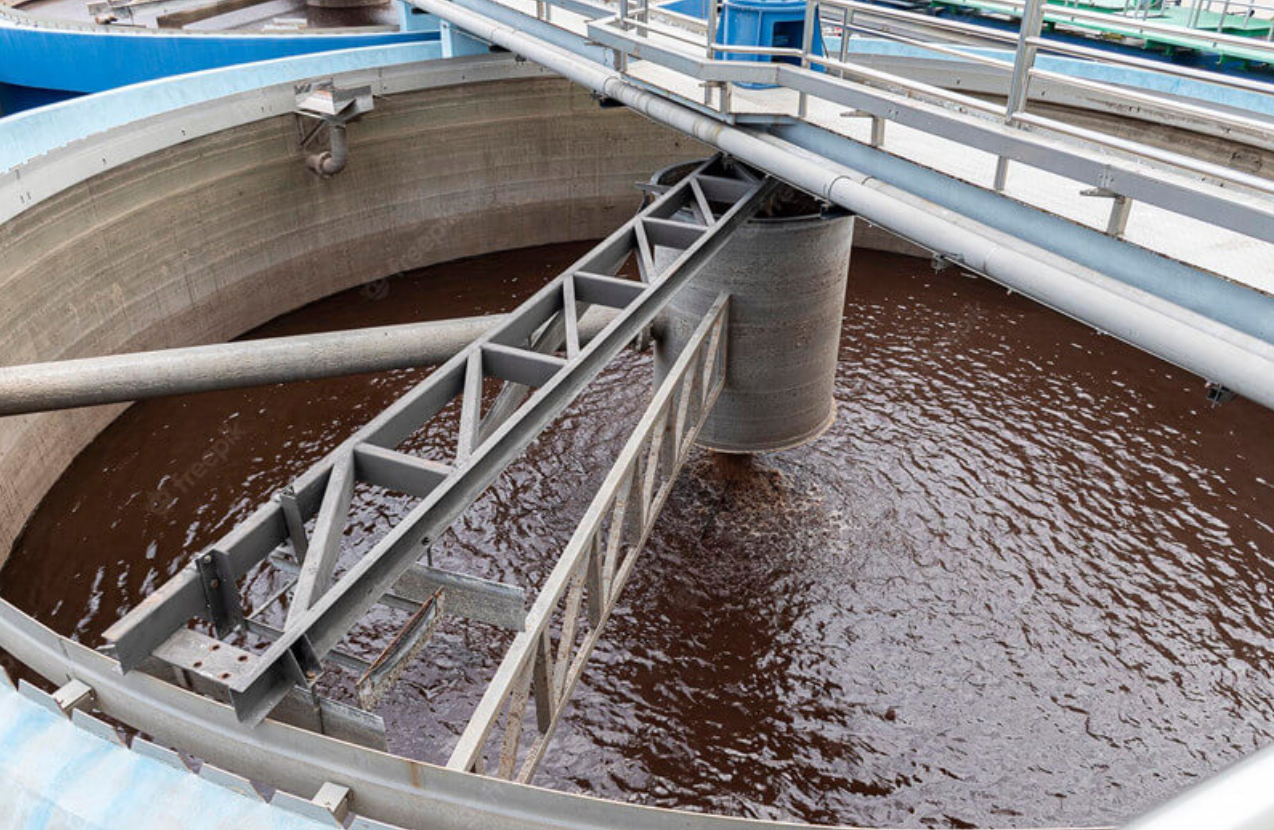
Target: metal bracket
294	520
1119	210
877	125
401	651
220	596
73	695
332	107
325	101
606	102
1219	394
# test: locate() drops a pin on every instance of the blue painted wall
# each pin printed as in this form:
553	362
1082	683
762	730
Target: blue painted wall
39	65
34	132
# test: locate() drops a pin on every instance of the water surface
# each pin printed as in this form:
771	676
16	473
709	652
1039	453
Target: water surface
1022	581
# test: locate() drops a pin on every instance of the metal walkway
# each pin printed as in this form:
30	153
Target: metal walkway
1140	242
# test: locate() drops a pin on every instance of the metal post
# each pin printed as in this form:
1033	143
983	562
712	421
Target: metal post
846	16
807	44
1118	221
1023	62
713	11
1195	10
710	49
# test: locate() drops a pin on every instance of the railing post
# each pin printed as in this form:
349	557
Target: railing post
807	44
1023	62
713	11
621	57
710	47
846	18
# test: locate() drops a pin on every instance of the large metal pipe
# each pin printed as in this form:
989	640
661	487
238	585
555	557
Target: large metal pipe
93	381
1197	343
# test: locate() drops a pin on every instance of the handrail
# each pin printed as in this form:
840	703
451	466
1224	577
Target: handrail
1204	36
1028	137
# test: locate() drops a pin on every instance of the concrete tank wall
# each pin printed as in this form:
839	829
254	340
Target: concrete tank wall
206	239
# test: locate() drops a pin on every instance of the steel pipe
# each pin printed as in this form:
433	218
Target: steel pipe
1186	338
331	161
93	381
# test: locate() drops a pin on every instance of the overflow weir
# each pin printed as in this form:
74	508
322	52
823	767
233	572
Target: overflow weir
182	213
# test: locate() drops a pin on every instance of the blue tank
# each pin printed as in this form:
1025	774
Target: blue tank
776	23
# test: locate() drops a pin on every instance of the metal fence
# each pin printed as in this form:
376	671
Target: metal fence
825	69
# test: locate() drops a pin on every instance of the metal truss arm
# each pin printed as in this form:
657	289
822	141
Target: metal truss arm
598	560
507	352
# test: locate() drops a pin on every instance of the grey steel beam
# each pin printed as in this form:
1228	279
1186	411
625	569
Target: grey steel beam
469	597
399	471
317	629
325	544
327	622
600	555
95	381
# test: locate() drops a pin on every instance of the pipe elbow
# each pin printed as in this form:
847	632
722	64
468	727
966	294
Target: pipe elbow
332	161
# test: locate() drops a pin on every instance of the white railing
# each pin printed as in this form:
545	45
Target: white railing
1240	202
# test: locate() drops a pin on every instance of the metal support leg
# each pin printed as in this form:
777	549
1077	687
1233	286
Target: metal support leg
807	44
1120	208
1019	85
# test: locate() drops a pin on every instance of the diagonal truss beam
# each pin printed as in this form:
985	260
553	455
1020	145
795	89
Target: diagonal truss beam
516	352
597	561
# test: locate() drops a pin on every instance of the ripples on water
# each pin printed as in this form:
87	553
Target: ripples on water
1021	582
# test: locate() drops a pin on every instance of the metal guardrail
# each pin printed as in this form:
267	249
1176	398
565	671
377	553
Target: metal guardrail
600	557
1136	19
1121	169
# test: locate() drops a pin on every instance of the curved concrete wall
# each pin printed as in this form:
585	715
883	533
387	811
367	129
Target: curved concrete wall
203	240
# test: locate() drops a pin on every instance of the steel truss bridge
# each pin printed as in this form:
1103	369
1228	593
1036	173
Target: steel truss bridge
1095	224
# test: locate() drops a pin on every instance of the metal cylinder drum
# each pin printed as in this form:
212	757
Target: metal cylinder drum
786	277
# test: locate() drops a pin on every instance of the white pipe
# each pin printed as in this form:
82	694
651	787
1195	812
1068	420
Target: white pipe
1197	343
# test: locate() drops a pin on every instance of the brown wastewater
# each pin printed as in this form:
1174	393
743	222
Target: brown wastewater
1020	582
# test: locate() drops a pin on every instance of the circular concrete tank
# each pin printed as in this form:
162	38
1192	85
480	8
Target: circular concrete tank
786	274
